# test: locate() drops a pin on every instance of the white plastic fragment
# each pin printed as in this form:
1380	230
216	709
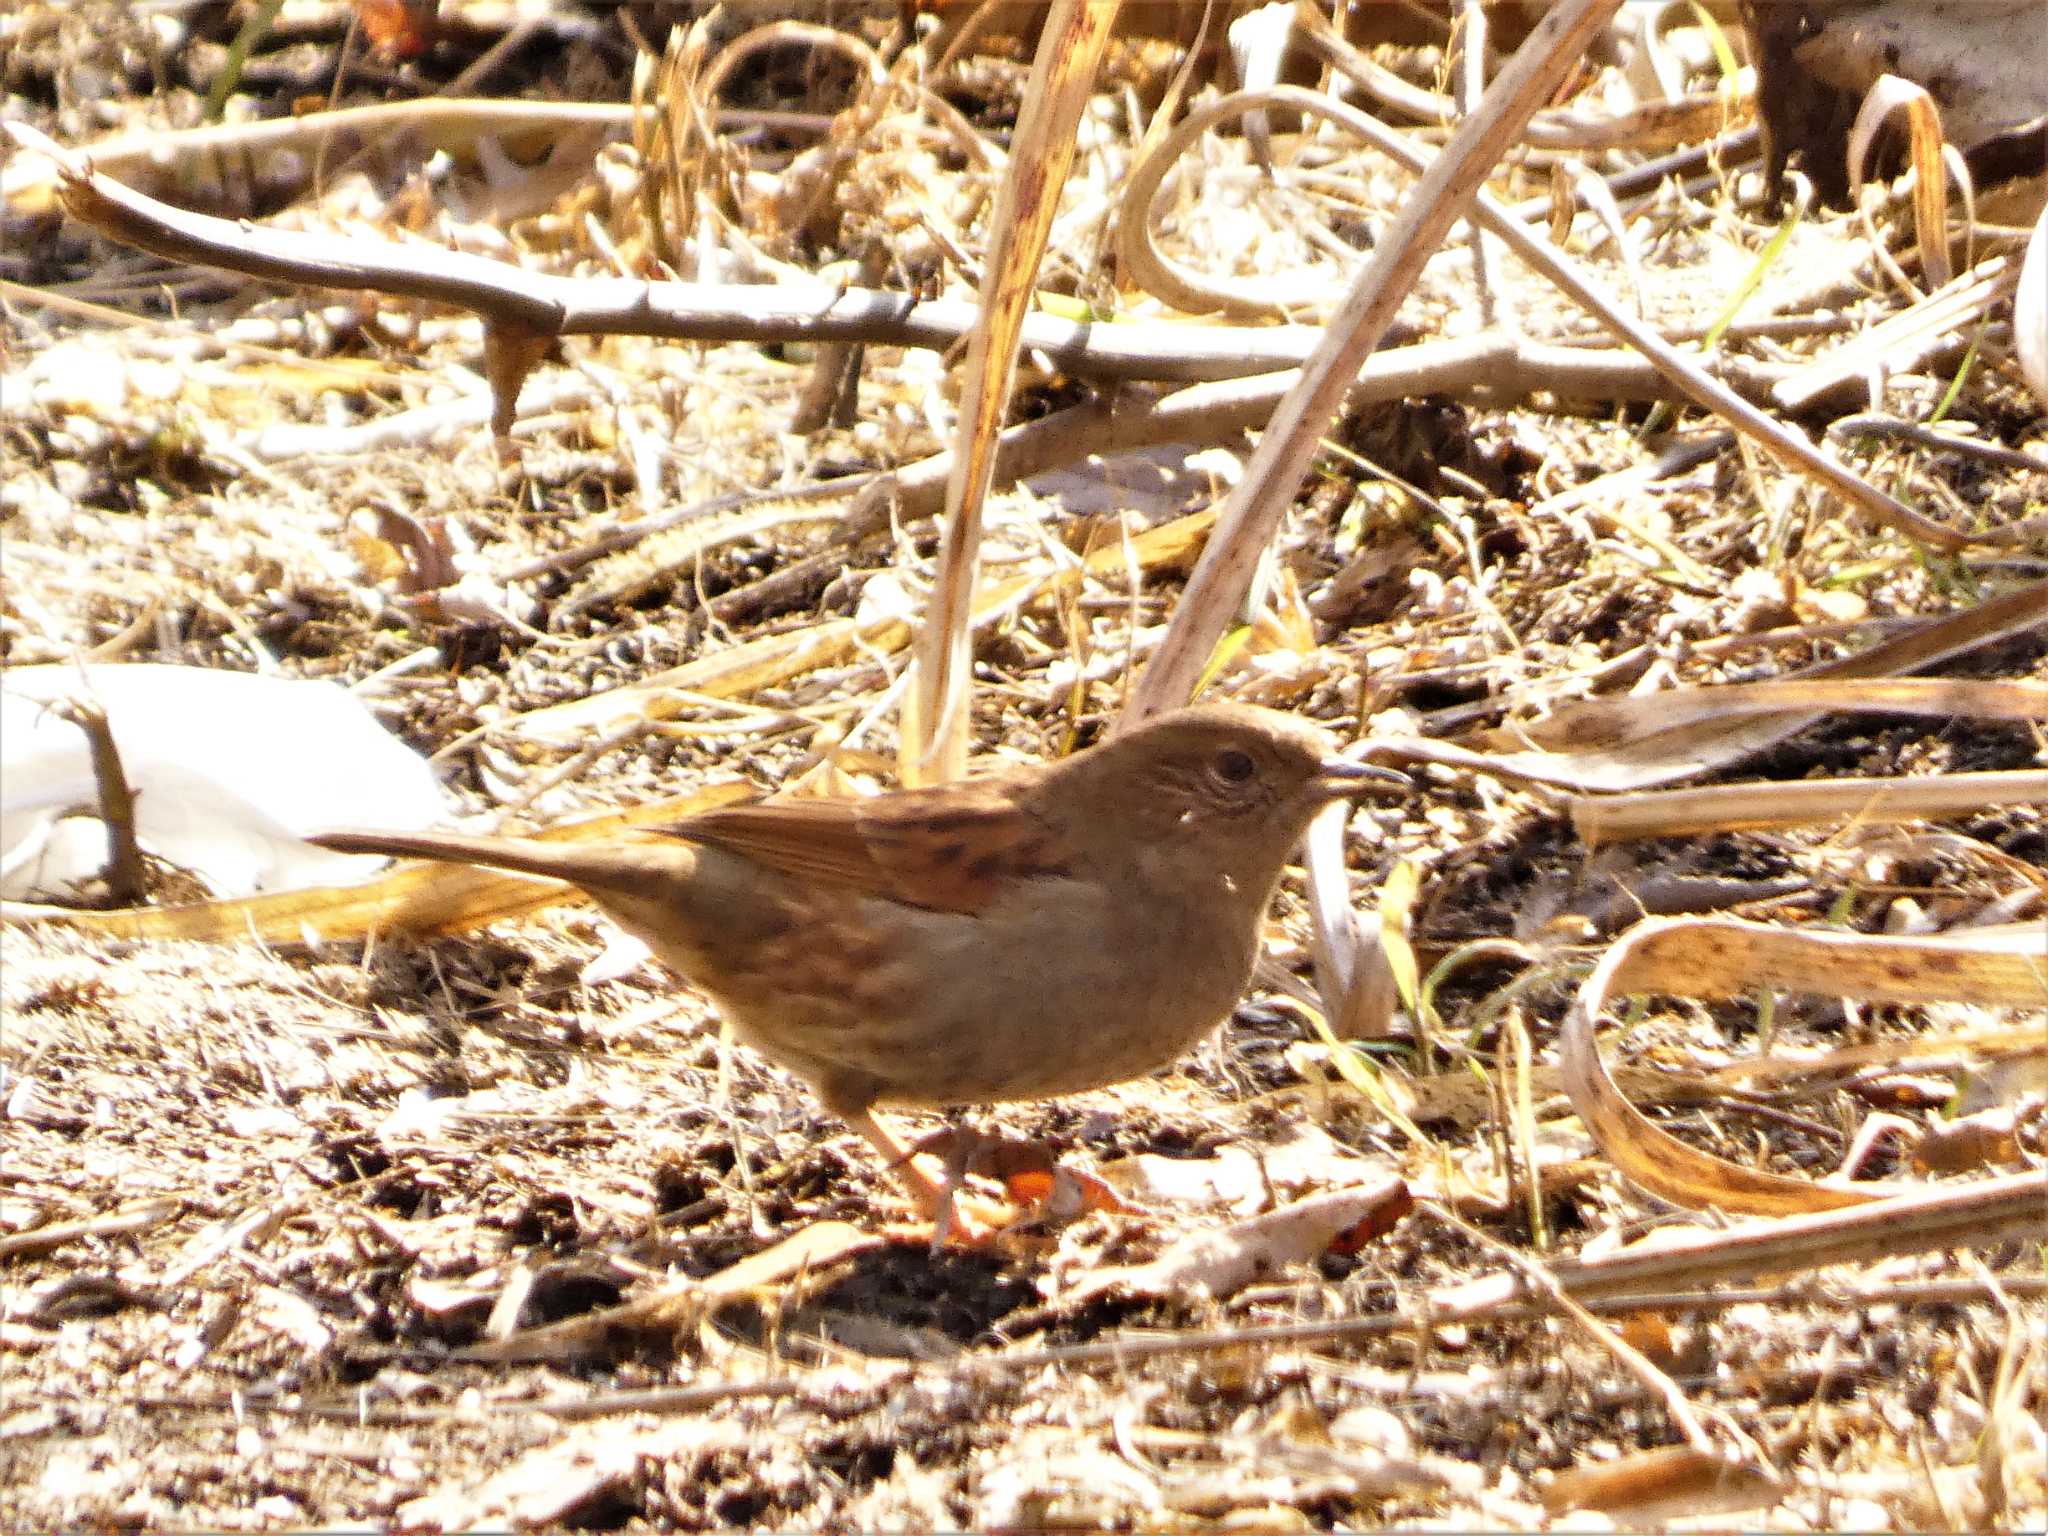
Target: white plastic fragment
228	770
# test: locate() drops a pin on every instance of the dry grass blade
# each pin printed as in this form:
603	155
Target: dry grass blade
2030	312
1353	976
684	156
777	658
936	707
1902	341
1979	1213
1158	274
1991	1044
1447	189
1923	130
1683	370
1608	722
1721	958
1635	750
1754	807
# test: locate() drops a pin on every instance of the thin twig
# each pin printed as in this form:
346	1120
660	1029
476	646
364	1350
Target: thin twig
124	870
1123	1352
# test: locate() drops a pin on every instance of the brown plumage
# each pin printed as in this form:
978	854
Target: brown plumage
1034	932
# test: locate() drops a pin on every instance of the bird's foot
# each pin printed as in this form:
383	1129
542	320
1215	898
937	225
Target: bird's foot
1028	1171
963	1219
1030	1175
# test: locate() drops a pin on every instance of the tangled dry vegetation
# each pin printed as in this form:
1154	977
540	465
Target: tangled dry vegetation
431	1204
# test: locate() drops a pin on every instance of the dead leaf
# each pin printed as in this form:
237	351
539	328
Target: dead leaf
1224	1260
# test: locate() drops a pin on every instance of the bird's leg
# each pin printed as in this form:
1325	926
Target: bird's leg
935	1199
900	1158
957	1158
1029	1172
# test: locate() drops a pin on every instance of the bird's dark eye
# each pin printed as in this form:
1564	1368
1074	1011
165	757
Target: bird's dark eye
1233	766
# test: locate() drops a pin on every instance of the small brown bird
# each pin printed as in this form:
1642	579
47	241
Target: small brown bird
1034	932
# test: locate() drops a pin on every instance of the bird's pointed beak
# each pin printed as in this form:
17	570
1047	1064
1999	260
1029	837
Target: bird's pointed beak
1342	779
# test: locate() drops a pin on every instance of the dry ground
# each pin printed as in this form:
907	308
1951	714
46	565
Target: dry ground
261	1206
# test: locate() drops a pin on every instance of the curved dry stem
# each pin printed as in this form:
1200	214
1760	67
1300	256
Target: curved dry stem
1166	279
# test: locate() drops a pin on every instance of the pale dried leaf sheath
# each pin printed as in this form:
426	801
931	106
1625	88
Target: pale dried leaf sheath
1752	807
935	720
1721	957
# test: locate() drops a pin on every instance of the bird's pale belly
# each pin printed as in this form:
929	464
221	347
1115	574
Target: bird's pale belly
952	1014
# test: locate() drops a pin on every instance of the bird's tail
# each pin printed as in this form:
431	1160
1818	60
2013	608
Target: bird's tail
586	864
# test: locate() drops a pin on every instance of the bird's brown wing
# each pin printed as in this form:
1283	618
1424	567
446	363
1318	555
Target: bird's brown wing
951	848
